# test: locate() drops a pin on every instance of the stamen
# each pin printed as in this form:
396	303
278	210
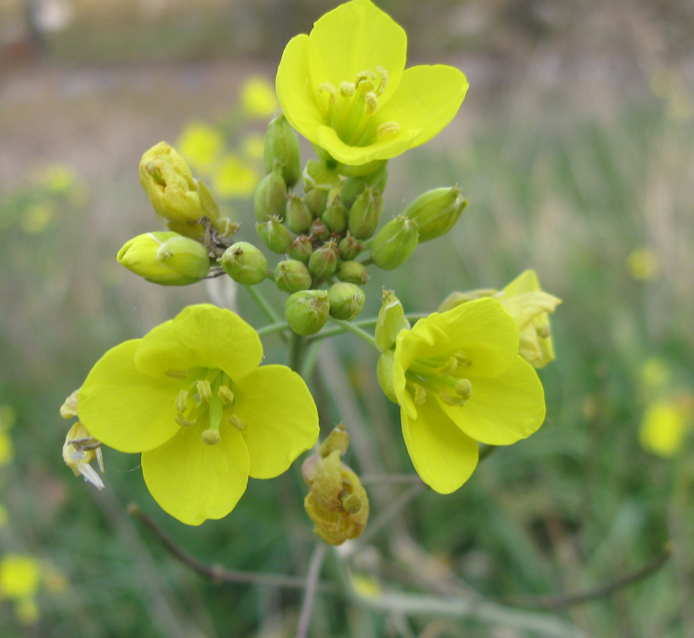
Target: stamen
237	423
464	388
226	395
384	80
183	422
347	89
181	401
462	360
328	88
204	390
211	437
420	394
448	368
365	77
387	128
100	460
177	374
371	102
451	399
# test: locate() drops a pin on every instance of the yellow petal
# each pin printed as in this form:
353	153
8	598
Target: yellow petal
294	89
194	481
125	409
483	331
427	99
354	37
384	148
503	409
281	419
663	428
202	335
443	456
527	281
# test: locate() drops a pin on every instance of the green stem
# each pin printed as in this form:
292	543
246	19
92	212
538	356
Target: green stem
263	303
355	330
296	351
273	328
311	358
363	323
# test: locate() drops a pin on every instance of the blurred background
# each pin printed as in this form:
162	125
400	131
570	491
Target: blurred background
574	148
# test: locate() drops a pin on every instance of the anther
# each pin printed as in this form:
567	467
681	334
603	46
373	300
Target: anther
328	88
451	399
464	388
181	401
177	374
420	394
448	368
347	89
237	423
371	102
462	360
211	437
226	395
387	128
204	390
183	422
384	80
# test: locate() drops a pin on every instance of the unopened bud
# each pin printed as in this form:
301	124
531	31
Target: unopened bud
316	200
270	196
307	311
301	248
384	374
346	301
317	176
352	187
275	236
436	211
245	263
169	183
353	272
291	276
338	440
391	320
395	243
323	262
350	247
282	148
335	216
365	213
319	231
165	258
299	217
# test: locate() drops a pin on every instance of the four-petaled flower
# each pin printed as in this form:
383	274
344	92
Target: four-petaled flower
191	397
459	379
345	87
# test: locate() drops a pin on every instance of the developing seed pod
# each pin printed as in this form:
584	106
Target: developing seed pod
395	243
282	148
353	272
274	235
298	217
350	247
244	263
301	248
307	311
270	196
346	301
323	262
292	276
319	231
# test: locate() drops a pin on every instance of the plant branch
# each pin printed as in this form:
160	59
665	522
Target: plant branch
273	328
314	568
216	573
263	304
355	330
569	600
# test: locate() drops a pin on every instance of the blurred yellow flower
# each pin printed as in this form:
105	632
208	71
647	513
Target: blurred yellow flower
201	143
665	425
253	146
6	450
643	264
191	397
257	97
234	178
345	87
19	576
37	217
57	178
655	374
459	379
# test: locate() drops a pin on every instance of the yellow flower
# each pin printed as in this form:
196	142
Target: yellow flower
191	397
19	576
665	424
233	177
643	264
257	97
459	379
201	143
345	87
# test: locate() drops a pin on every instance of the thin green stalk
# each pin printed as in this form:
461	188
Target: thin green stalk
263	304
297	345
363	323
273	328
350	327
311	358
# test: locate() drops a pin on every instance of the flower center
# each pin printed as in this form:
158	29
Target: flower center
208	400
442	376
349	108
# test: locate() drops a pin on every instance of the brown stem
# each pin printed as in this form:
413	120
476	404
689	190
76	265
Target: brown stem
216	573
569	600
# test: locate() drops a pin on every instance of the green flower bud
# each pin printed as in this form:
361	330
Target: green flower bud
245	263
436	211
395	243
168	181
319	231
384	374
318	176
275	236
323	262
352	187
270	196
299	217
307	311
346	301
292	276
361	169
391	320
350	247
316	200
301	248
165	258
335	216
365	213
353	273
282	148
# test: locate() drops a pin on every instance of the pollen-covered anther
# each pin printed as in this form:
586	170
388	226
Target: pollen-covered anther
463	388
387	128
448	368
384	80
181	401
226	395
237	423
452	399
326	87
177	374
370	102
204	390
347	89
462	359
211	437
420	394
183	422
